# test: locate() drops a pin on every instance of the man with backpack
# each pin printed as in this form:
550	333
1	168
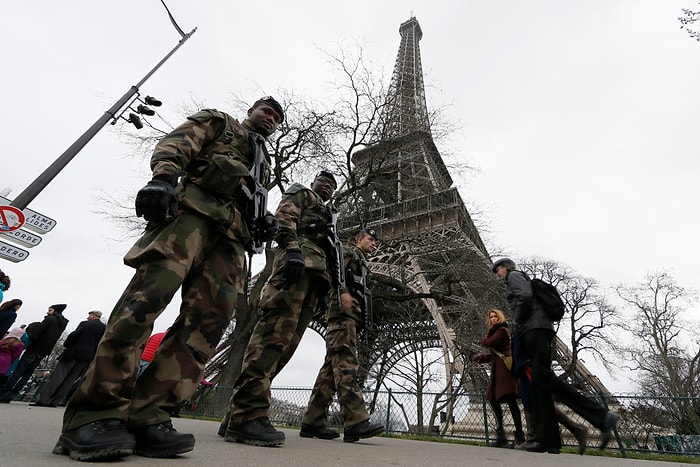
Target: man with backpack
535	330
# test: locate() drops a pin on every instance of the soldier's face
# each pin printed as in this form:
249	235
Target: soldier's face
264	119
324	186
367	243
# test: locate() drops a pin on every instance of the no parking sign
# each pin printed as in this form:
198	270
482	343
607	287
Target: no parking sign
11	218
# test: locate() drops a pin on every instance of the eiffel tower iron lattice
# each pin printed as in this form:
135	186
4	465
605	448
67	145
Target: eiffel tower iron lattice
432	270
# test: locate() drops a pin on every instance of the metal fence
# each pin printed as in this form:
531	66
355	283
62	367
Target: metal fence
648	425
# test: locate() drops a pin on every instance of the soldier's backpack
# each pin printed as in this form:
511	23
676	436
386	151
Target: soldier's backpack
548	297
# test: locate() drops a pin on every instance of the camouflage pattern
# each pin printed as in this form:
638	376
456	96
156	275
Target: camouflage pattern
213	149
285	309
339	370
201	251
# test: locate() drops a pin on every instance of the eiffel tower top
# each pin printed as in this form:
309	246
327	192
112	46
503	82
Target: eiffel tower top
405	110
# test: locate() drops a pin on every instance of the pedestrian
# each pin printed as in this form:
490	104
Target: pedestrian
8	314
200	223
11	348
4	285
339	370
43	336
25	340
300	276
523	372
536	332
503	386
78	351
149	351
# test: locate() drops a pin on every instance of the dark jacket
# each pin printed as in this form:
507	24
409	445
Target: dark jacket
7	318
527	313
45	334
81	344
502	382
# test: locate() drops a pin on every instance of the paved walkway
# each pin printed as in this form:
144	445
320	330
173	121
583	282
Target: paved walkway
28	434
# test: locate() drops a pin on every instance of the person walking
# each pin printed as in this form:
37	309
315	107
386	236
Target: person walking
8	314
339	370
300	277
503	386
536	331
43	336
201	220
78	351
11	347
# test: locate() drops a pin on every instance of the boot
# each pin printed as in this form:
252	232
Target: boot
256	432
362	430
530	435
101	439
161	440
579	431
519	439
320	432
501	439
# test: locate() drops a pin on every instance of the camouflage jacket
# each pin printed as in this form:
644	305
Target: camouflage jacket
355	260
214	152
304	218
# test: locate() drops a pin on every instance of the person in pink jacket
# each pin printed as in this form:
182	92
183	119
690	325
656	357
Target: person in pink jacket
11	348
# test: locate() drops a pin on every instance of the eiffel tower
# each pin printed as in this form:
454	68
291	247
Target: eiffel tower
433	273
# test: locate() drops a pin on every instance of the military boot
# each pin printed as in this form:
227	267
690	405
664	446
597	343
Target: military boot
256	432
161	440
320	432
362	430
101	439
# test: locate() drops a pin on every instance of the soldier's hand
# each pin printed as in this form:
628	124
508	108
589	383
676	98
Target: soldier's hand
267	227
345	301
294	266
156	201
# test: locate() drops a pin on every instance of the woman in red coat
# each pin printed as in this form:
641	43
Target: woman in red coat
502	387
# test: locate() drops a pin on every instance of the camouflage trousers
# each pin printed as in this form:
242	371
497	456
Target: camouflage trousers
338	374
188	252
285	312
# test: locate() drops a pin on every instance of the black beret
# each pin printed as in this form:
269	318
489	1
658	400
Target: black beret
327	174
371	232
269	100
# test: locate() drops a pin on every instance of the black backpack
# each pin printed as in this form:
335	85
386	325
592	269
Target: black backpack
548	297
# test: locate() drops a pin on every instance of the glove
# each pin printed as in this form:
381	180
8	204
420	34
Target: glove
156	201
267	228
294	266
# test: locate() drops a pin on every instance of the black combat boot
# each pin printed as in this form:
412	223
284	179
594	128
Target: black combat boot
256	432
101	439
161	440
320	432
362	430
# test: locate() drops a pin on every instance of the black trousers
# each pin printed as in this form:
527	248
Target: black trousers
538	347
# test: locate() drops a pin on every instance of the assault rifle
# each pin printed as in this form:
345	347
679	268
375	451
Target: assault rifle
256	199
337	260
363	291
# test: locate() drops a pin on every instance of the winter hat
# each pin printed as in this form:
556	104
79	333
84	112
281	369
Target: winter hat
16	332
58	308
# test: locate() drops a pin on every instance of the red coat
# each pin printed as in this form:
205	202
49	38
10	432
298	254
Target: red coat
502	382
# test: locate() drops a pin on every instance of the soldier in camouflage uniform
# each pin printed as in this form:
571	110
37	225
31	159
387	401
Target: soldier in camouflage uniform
196	240
339	370
300	276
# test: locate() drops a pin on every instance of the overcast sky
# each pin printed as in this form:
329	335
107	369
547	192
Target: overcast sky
589	109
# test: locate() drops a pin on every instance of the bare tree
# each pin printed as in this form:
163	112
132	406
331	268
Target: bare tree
689	18
664	348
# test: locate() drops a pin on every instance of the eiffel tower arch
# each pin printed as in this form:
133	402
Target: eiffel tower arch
433	273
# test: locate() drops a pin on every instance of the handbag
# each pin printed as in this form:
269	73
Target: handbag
507	360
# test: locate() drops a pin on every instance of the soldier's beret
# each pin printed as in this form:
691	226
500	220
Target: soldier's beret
327	174
269	100
371	232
